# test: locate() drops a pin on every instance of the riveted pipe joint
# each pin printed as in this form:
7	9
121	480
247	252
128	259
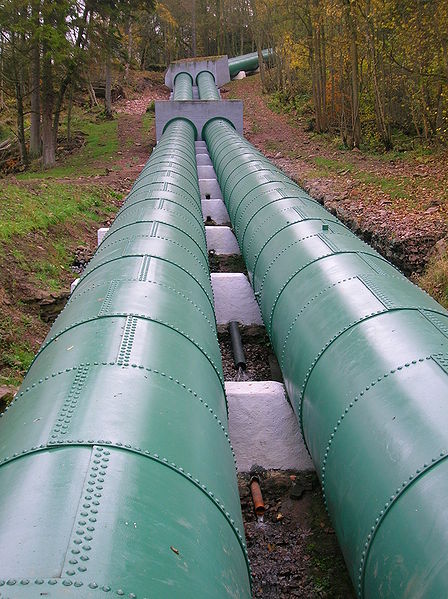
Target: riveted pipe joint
116	468
364	356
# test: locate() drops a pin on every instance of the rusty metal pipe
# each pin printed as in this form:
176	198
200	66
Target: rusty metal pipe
257	497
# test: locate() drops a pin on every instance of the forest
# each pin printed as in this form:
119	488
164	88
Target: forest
374	73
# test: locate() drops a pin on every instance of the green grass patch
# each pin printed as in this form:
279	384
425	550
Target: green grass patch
330	165
101	146
147	122
395	187
26	209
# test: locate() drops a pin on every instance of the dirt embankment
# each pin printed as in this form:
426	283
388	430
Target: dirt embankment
398	205
38	264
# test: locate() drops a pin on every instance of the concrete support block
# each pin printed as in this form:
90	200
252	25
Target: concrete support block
206	171
73	285
216	210
203	159
234	299
240	75
102	233
221	240
218	66
210	189
199	112
263	428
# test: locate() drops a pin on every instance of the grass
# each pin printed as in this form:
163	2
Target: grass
101	145
25	209
16	355
147	122
435	279
396	187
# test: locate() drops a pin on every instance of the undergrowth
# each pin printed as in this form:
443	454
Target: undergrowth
32	208
101	145
435	279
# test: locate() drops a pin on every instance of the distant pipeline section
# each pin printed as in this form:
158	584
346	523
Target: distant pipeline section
364	355
247	62
116	471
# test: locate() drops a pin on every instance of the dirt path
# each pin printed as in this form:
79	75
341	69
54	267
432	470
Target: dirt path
398	205
134	144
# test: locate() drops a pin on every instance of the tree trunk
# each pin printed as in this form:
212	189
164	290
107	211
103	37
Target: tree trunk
351	29
48	139
69	114
129	56
194	28
108	92
91	91
35	142
2	78
380	109
20	124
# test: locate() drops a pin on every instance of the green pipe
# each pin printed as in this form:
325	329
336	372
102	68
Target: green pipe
116	470
247	62
207	86
364	355
183	87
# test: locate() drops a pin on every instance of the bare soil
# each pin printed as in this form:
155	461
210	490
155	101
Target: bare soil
294	551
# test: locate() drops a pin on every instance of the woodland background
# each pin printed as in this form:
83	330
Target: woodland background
372	72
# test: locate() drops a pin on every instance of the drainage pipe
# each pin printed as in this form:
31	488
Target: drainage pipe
239	358
116	470
183	87
364	355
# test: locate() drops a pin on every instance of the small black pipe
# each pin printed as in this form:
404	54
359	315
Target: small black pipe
237	345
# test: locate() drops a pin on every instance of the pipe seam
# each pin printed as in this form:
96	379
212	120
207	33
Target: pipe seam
131	205
87	272
308	303
341	332
358	252
74	298
246	226
413	478
286	226
154	221
165	184
143	236
352	403
147	454
138	316
164	375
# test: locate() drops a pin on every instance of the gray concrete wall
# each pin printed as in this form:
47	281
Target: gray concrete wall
199	112
218	66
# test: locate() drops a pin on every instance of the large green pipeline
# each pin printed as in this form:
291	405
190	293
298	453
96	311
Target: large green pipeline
206	86
116	472
364	354
247	62
183	87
